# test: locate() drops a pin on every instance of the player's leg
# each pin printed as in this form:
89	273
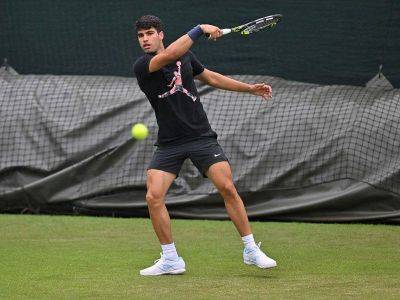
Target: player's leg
221	175
210	159
163	169
158	183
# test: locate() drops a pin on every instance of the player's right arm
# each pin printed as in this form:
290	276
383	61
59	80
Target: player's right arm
180	47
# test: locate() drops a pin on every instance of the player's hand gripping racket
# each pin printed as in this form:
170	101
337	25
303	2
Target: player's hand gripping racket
254	26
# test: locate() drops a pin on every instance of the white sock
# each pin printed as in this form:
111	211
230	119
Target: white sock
169	251
248	241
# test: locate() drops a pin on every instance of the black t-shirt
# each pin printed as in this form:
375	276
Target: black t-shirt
173	95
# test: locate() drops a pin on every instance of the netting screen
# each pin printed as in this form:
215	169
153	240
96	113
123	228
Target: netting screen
326	144
67	138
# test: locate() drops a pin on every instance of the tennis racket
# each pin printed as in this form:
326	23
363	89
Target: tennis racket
254	26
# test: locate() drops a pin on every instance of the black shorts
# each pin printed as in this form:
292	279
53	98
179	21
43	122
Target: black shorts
203	153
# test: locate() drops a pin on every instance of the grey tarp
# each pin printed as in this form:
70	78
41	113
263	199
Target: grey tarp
313	152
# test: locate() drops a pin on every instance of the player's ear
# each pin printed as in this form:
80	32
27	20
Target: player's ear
161	35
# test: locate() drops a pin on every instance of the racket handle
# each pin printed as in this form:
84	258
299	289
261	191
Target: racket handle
226	31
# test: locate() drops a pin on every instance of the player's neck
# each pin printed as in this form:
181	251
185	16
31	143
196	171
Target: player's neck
161	49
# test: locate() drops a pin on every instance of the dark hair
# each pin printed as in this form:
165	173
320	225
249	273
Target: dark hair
148	21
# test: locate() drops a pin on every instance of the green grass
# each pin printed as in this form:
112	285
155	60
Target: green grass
59	257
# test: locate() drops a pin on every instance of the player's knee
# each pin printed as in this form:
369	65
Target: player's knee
154	199
228	189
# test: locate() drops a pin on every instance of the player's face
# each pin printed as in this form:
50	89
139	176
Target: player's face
150	40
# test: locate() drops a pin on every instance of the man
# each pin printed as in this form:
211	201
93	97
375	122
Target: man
166	75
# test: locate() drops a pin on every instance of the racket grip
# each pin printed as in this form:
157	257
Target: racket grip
226	31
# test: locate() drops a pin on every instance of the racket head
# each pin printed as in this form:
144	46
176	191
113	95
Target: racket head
257	25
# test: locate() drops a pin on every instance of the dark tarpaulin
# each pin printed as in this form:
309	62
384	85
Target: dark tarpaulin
314	152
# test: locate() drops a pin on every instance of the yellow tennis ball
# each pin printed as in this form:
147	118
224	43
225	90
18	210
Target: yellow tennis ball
139	131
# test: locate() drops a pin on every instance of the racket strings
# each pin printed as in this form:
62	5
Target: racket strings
259	25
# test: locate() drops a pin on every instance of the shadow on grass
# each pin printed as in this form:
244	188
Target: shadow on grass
257	275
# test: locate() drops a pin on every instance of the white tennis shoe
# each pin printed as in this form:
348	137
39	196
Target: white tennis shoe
255	256
164	266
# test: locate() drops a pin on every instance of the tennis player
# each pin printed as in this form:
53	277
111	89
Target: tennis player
166	77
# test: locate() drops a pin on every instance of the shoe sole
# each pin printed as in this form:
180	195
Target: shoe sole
251	263
174	272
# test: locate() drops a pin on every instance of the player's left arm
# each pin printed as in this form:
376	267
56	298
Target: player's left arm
220	81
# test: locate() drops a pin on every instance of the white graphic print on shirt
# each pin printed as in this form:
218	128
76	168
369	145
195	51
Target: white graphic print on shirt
177	85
